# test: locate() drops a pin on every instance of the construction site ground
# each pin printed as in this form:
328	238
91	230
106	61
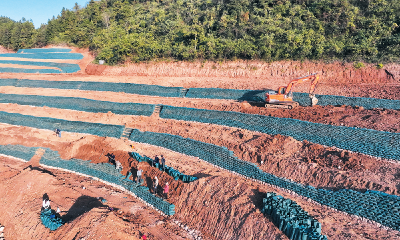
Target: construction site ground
220	205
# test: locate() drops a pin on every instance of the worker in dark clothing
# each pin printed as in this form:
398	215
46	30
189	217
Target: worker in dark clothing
156	160
58	132
163	162
111	158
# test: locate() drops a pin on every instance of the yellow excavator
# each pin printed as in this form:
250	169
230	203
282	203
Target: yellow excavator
283	98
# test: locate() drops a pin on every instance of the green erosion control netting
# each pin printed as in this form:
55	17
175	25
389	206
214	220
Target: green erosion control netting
104	171
50	219
366	141
80	104
220	93
44	50
64	67
169	170
102	130
18	151
215	93
141	89
374	205
291	219
107	172
44	55
367	103
26	70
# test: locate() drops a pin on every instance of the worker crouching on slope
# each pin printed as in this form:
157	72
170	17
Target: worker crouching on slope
46	202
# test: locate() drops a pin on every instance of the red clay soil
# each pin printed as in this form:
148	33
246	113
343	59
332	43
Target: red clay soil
220	205
297	157
377	119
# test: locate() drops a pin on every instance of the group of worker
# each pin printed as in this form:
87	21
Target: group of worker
139	172
157	161
165	192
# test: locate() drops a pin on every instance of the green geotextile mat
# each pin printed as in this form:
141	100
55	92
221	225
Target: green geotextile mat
44	55
103	171
210	93
168	170
27	70
64	67
109	173
99	129
291	219
18	151
377	206
44	50
366	141
50	219
79	104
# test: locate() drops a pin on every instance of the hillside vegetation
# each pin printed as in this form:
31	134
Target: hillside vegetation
270	30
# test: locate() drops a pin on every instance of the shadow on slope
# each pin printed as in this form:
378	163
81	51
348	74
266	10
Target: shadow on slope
82	205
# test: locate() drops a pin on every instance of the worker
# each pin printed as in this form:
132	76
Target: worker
166	190
118	165
163	162
155	185
58	132
46	202
156	160
139	175
111	158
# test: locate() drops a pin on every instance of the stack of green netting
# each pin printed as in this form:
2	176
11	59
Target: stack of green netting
50	219
291	219
169	170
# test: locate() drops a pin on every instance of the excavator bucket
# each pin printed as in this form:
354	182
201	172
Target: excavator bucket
314	100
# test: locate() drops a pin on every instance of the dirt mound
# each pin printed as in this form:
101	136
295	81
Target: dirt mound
5	50
94	69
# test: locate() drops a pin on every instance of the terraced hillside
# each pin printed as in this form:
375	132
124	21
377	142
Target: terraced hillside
339	163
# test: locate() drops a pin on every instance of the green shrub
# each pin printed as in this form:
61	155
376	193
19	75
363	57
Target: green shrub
358	65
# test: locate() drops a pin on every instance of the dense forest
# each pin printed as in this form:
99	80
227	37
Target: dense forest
116	30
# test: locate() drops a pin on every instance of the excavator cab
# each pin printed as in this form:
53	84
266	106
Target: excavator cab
281	90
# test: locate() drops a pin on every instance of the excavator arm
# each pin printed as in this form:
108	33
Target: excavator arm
313	77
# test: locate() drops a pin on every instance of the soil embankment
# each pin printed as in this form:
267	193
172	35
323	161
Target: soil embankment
220	205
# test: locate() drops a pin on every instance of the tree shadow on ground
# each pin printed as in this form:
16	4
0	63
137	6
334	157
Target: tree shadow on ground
82	205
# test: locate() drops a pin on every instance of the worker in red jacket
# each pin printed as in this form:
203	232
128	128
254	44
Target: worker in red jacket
166	190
